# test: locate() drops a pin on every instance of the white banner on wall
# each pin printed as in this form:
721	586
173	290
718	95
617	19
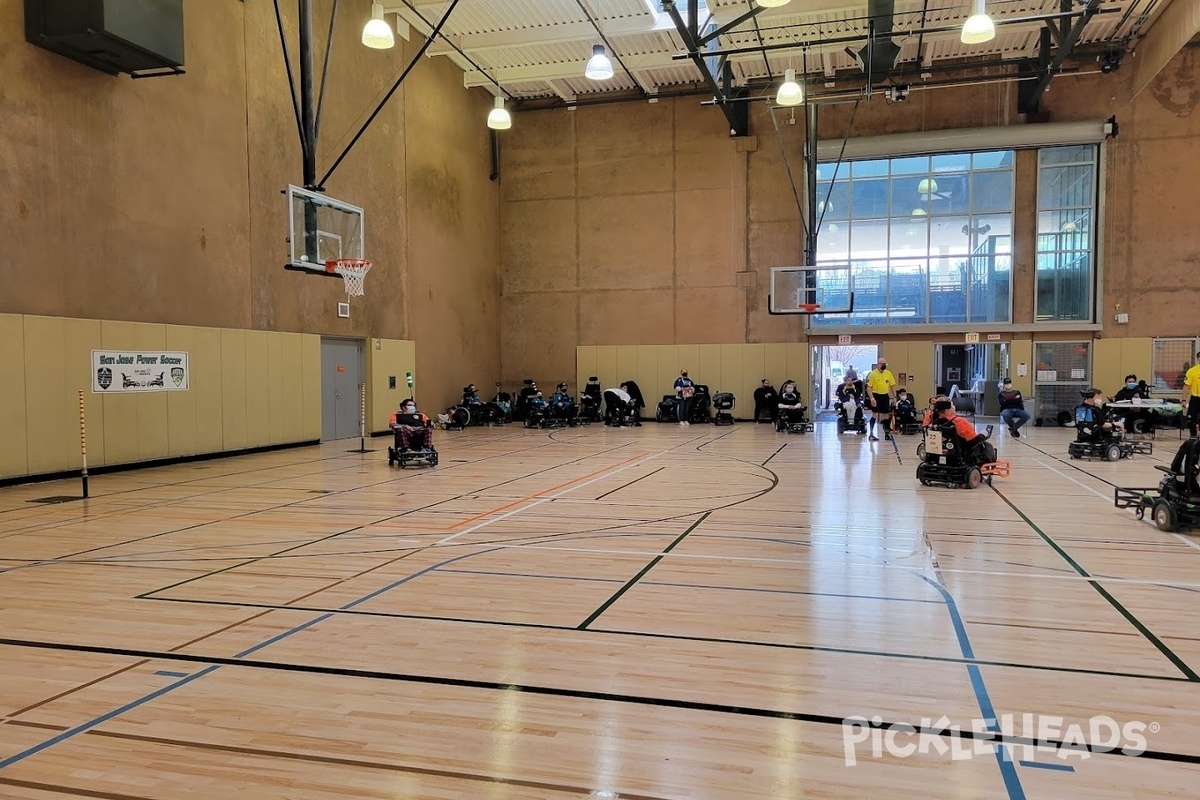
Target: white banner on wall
138	371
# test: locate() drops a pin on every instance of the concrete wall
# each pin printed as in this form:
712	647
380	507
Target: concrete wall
159	200
645	224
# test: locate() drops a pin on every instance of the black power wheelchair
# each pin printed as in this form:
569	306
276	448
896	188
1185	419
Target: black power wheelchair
400	454
793	420
1175	502
948	460
1093	441
905	414
590	400
723	404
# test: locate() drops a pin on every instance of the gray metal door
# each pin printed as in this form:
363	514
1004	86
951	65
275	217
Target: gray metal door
341	374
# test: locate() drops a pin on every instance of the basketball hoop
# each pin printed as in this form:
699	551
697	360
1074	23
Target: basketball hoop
808	308
353	271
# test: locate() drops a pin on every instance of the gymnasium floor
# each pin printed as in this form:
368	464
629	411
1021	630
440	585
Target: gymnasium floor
660	612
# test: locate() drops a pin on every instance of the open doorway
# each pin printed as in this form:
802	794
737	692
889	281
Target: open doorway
831	363
973	371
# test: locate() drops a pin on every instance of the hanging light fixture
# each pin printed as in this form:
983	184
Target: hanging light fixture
377	34
599	68
498	118
790	92
979	27
927	186
773	3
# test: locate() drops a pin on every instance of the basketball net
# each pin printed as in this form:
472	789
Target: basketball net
353	272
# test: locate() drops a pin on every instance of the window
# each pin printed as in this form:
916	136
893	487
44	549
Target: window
928	239
1171	360
1067	186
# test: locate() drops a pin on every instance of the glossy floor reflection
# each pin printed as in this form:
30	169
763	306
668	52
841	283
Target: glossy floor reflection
659	612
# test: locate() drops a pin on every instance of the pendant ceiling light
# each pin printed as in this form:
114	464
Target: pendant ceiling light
499	119
979	27
377	34
927	186
773	3
790	92
599	68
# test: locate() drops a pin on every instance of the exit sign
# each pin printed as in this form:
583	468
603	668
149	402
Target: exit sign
972	338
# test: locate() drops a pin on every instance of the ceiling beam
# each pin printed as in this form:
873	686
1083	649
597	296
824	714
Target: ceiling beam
1175	27
1029	99
735	114
556	70
552	34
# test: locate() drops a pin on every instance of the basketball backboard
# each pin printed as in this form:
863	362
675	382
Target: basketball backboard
321	229
811	290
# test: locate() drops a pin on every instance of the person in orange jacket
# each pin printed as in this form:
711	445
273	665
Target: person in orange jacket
412	428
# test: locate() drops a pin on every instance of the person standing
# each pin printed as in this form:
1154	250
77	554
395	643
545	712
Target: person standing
1190	400
682	382
881	395
1012	408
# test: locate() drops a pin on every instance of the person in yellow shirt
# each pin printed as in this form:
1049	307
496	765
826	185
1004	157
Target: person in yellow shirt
1190	399
881	396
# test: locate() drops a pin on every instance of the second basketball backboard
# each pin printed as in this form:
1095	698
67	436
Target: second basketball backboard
812	290
321	229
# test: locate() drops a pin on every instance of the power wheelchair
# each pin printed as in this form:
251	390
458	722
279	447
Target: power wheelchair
1175	502
949	460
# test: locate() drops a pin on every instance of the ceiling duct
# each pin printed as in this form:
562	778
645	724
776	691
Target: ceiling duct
880	54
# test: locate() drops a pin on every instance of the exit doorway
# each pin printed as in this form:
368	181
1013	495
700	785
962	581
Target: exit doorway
972	371
831	363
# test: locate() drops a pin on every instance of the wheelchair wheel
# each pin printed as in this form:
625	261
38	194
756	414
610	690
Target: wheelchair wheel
921	470
1113	452
841	425
974	478
391	456
1164	516
1138	425
921	451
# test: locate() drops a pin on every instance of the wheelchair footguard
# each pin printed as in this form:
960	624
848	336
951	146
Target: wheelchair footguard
1000	469
1111	450
794	426
428	457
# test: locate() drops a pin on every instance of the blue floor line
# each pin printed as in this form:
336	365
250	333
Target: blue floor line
1012	782
168	673
100	720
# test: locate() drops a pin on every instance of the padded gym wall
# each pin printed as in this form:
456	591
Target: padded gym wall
1113	359
736	368
246	389
391	358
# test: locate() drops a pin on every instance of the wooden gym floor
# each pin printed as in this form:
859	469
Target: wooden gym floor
659	612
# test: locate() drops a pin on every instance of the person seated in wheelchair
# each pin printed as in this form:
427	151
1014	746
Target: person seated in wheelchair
906	413
849	395
413	431
562	405
619	407
970	447
791	409
1094	421
537	410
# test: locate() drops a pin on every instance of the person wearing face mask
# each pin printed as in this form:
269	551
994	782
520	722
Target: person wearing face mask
881	396
1094	421
1136	420
412	428
1012	409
